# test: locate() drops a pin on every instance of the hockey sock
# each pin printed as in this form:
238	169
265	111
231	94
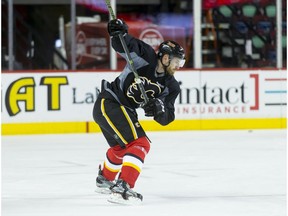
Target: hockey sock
113	162
133	160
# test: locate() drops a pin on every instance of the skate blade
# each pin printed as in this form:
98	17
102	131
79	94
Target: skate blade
103	190
118	199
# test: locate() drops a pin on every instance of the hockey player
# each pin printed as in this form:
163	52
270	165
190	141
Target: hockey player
115	110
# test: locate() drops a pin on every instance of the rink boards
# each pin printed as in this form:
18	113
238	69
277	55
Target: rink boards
62	102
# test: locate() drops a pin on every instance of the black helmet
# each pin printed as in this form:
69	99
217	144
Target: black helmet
171	48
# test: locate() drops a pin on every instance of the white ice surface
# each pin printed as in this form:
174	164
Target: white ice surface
192	173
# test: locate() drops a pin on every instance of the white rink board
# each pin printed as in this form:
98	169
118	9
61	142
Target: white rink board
204	95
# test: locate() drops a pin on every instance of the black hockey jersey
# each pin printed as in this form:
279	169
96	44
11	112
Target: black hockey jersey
156	85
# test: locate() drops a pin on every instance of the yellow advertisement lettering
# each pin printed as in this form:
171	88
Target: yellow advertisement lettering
53	85
20	90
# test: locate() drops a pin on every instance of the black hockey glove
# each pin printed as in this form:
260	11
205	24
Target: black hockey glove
154	107
116	27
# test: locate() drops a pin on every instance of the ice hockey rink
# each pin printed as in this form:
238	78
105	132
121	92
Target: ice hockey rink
189	173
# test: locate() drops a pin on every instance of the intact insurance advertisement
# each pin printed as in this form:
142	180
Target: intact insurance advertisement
230	94
64	97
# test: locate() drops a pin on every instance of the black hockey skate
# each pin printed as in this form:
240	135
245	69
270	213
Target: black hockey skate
122	194
102	184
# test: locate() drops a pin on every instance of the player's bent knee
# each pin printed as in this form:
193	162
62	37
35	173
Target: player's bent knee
141	144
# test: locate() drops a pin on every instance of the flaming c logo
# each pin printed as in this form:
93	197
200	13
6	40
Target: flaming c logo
151	89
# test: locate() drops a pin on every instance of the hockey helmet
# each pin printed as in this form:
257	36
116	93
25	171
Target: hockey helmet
173	49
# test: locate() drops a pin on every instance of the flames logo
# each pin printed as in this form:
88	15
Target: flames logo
151	89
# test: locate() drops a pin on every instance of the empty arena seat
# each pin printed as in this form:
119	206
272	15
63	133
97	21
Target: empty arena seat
241	27
249	10
270	11
264	27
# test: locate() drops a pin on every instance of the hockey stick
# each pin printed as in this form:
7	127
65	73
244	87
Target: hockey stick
128	56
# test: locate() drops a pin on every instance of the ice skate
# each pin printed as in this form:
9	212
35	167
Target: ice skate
102	184
122	194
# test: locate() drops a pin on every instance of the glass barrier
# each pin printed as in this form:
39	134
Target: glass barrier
246	33
233	34
4	36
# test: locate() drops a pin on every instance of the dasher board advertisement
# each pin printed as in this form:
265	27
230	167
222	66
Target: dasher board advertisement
205	95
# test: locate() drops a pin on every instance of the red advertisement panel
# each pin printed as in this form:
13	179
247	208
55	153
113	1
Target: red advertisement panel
93	41
207	4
